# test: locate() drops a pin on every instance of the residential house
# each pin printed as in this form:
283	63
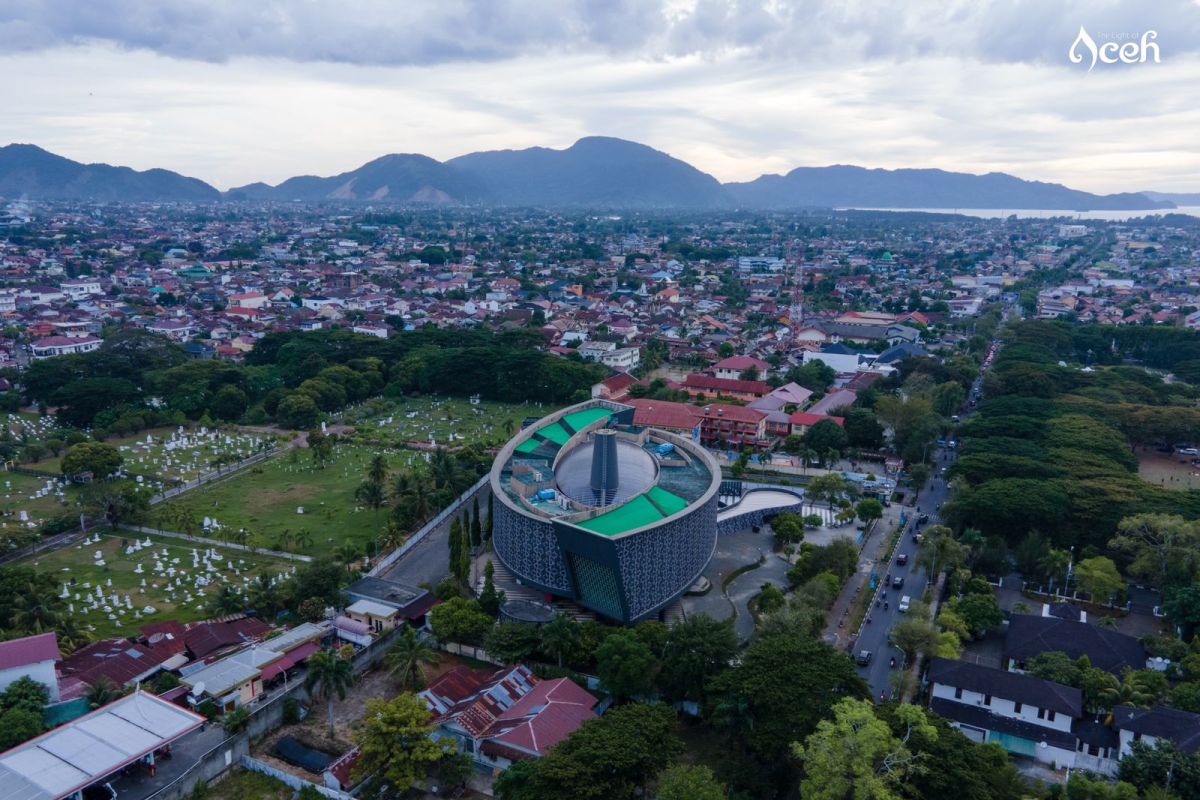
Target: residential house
729	427
1027	716
1030	635
52	346
506	715
706	387
407	603
732	368
31	657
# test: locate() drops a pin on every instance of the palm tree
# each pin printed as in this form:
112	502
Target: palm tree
370	494
36	609
414	485
392	536
330	674
377	472
264	595
302	539
346	552
560	637
102	693
444	469
509	426
226	601
239	536
408	657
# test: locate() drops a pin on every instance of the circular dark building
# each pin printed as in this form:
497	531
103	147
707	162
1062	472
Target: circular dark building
594	509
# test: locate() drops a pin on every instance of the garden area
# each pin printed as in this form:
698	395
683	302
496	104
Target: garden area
139	578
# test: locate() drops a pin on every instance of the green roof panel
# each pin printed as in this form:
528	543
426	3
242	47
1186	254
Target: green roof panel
637	512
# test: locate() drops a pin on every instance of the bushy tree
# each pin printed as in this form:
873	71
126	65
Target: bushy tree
102	460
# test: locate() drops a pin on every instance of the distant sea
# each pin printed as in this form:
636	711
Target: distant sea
1037	213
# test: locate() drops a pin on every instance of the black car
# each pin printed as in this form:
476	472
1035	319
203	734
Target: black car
921	520
863	658
902	559
898	582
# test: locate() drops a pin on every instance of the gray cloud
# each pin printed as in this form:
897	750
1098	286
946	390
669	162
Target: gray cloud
399	32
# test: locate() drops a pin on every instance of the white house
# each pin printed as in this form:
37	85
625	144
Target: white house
1027	716
623	358
30	657
53	346
81	288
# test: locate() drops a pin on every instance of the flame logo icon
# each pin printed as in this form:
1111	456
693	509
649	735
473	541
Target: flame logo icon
1083	39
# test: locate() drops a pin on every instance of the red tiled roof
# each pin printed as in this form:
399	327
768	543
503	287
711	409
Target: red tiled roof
664	414
549	713
29	650
741	363
709	383
718	411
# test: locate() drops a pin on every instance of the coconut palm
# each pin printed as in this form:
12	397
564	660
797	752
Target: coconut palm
377	472
225	602
102	693
408	658
36	608
444	469
264	595
329	674
302	539
347	553
392	536
371	494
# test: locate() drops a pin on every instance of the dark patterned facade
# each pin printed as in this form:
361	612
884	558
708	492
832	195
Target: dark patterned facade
627	577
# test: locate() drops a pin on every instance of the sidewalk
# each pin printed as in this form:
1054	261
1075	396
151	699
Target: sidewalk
838	633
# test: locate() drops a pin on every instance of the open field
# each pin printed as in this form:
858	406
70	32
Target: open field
1168	470
444	421
174	454
265	500
180	596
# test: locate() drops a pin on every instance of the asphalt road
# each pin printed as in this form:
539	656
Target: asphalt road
874	637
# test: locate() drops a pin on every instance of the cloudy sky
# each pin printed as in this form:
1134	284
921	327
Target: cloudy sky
234	91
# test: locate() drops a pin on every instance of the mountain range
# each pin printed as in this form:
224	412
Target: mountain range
595	172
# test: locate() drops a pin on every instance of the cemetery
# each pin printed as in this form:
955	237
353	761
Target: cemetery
116	582
439	421
287	502
166	456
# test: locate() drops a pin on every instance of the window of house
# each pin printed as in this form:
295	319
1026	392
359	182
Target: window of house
958	694
1041	713
1016	708
1050	716
987	699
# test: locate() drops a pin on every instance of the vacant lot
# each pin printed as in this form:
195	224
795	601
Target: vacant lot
1169	470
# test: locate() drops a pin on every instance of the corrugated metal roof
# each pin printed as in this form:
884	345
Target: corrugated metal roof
80	753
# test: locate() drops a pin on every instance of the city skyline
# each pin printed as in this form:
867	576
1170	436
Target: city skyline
232	96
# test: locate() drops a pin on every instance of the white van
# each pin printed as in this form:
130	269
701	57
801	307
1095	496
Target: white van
904	601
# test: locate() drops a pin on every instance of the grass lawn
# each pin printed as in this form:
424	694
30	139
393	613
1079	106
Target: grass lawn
167	454
79	562
242	784
449	421
264	499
